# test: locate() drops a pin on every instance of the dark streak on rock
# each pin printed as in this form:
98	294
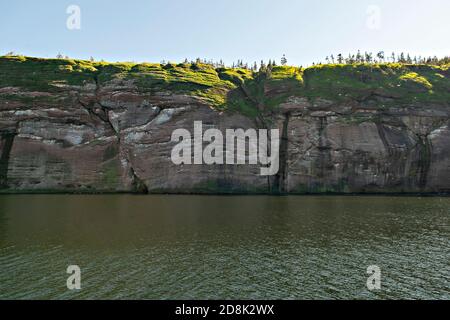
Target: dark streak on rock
424	162
138	185
280	183
7	141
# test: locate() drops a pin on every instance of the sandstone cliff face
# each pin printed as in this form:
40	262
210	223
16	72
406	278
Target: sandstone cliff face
400	149
112	136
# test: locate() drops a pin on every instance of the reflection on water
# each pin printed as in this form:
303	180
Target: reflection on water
195	247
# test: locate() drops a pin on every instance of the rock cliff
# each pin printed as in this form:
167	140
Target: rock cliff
77	126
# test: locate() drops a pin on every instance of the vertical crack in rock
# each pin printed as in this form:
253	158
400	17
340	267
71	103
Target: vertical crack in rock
261	123
104	109
387	172
7	141
260	120
280	183
93	115
324	149
138	184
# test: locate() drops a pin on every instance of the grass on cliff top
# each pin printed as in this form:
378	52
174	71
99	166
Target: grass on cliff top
236	89
194	79
405	83
36	74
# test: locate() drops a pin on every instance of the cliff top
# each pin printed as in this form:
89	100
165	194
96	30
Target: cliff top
238	89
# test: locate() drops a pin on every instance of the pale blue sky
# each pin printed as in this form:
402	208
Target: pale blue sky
251	30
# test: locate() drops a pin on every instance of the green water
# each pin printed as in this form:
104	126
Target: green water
195	247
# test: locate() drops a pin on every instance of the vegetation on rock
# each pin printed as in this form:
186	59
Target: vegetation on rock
241	89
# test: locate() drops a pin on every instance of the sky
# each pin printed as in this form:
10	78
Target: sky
231	30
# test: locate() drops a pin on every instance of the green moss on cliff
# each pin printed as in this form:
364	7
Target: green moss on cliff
111	174
404	83
241	90
35	74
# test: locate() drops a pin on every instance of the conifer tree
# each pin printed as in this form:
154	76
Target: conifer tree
359	57
408	59
262	67
380	56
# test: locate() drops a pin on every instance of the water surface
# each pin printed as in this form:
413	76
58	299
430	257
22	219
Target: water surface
196	247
